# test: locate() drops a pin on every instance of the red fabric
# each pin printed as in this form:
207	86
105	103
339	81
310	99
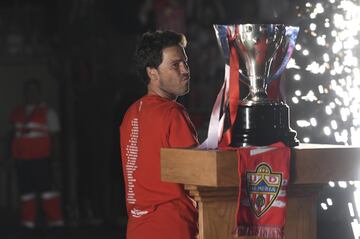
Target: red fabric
260	47
262	202
234	92
169	220
273	90
28	210
23	146
156	209
52	209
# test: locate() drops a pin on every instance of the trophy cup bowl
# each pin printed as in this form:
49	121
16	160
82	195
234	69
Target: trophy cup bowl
260	120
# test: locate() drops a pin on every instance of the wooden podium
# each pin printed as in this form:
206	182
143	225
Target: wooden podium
212	180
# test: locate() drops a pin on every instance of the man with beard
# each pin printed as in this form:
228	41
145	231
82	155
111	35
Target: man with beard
158	209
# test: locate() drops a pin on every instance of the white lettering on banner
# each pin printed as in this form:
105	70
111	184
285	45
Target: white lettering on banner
276	203
131	158
138	213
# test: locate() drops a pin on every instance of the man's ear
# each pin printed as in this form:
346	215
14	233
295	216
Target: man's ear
152	73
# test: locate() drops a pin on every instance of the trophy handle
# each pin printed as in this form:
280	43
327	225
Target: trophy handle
290	39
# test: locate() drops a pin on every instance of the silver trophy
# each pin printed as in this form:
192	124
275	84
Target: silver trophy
259	120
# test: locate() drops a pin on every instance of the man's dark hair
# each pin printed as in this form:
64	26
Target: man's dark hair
149	50
32	82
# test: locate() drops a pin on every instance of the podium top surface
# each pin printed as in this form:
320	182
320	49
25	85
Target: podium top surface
310	164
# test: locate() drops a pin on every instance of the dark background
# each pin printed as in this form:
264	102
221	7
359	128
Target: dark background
82	50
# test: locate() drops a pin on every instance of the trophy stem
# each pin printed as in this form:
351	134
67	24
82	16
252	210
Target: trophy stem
257	91
256	96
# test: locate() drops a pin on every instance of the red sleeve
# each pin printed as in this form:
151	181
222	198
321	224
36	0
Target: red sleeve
182	132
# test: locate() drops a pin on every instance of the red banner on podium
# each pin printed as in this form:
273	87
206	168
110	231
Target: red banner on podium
262	202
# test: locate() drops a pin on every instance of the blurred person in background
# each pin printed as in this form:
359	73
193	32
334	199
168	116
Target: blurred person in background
35	151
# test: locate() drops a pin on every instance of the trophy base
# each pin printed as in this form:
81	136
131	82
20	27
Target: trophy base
262	124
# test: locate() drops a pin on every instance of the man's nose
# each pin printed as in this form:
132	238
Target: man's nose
184	68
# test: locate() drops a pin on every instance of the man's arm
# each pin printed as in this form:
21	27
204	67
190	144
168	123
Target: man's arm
182	132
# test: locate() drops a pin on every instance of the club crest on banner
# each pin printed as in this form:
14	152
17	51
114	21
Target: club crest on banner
262	186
